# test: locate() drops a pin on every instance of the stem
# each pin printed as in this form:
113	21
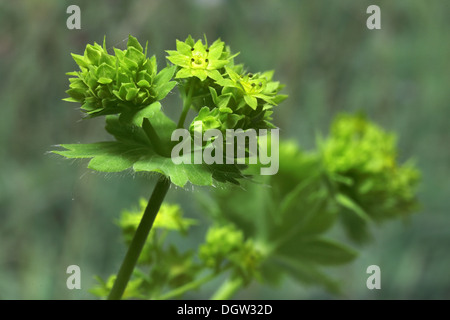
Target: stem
153	137
228	289
186	106
189	286
134	251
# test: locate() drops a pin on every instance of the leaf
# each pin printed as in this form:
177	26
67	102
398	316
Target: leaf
199	73
216	49
80	60
348	203
183	73
104	80
164	76
179	60
183	48
179	174
143	83
318	250
132	92
117	156
135	116
133	42
134	151
223	100
251	101
307	273
106	156
105	71
164	89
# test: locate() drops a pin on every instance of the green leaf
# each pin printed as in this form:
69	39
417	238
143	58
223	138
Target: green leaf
135	116
104	80
318	250
118	156
215	75
163	90
199	73
135	55
215	51
348	203
164	76
133	42
190	41
307	273
217	64
134	151
223	100
143	84
183	48
93	54
179	174
105	71
131	94
184	73
251	101
70	99
106	156
179	60
80	60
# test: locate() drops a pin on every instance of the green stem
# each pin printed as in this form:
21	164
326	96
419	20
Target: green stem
131	258
186	106
189	286
228	289
154	138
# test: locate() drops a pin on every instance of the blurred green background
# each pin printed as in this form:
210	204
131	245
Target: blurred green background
54	213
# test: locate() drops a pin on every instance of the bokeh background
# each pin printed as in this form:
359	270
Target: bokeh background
54	212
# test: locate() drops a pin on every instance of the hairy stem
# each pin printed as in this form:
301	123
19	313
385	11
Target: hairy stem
228	289
186	106
134	251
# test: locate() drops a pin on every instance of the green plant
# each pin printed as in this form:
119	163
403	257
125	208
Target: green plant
126	88
281	225
257	232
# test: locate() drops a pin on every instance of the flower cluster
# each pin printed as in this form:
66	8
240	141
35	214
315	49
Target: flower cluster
227	97
225	247
198	60
362	158
111	84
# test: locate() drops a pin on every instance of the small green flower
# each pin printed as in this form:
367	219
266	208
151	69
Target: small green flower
196	59
252	87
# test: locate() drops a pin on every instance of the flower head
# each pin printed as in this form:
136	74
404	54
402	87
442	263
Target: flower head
252	87
108	84
196	59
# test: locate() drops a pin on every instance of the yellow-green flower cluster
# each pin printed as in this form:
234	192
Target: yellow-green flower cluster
226	96
196	59
225	247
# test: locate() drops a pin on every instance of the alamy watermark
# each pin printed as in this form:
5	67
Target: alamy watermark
74	20
237	147
74	280
374	280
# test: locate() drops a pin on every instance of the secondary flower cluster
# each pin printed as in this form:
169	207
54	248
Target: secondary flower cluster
227	97
362	158
111	84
